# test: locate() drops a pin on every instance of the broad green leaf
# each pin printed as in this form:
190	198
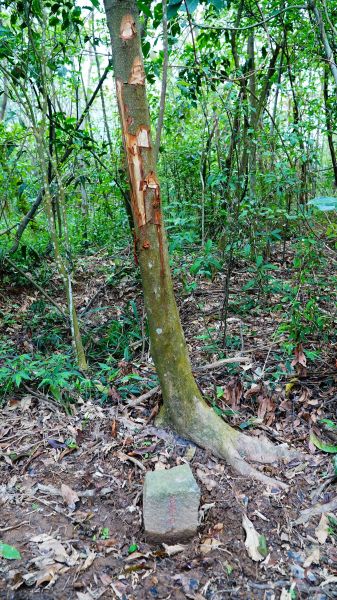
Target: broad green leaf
324	203
322	445
173	7
218	4
9	552
328	423
132	548
192	5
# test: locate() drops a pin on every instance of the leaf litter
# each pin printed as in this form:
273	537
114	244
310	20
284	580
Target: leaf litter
72	512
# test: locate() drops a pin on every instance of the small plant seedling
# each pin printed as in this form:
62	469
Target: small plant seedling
132	548
104	533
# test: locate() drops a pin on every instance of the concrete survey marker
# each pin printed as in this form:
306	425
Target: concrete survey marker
170	504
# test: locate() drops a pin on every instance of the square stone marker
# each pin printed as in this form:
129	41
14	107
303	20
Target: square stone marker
170	504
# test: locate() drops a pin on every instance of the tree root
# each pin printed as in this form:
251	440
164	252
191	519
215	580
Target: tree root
210	432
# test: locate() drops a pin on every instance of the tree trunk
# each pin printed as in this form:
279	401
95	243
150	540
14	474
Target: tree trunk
324	39
184	408
329	125
163	84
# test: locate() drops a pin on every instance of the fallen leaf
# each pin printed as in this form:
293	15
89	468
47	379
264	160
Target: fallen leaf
88	561
206	480
69	496
322	445
175	549
312	558
322	529
300	358
208	545
53	549
255	543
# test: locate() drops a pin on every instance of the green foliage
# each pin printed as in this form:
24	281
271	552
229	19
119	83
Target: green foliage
9	552
237	197
54	375
206	265
324	203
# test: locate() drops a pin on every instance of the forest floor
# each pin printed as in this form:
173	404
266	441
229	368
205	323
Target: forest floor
74	510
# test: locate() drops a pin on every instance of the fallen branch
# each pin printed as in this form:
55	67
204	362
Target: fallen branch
218	363
208	367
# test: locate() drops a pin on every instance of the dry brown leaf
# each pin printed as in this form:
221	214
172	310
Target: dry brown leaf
69	496
175	549
313	557
233	393
252	542
208	545
206	480
88	561
321	530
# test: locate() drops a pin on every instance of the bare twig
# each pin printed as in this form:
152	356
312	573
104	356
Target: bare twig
14	526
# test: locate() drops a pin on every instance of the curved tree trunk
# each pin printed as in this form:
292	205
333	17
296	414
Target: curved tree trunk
184	408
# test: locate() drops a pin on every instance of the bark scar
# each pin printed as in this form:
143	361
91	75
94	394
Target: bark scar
137	75
127	28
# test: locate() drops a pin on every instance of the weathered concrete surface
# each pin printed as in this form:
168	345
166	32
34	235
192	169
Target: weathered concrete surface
170	504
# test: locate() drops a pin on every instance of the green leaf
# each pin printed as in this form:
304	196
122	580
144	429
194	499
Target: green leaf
105	533
218	4
322	445
9	552
324	203
173	7
192	5
262	547
328	423
132	548
54	21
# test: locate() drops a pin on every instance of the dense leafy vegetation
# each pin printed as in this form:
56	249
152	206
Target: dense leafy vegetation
248	175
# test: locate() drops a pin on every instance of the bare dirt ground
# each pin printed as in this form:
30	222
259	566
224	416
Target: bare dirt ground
71	485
